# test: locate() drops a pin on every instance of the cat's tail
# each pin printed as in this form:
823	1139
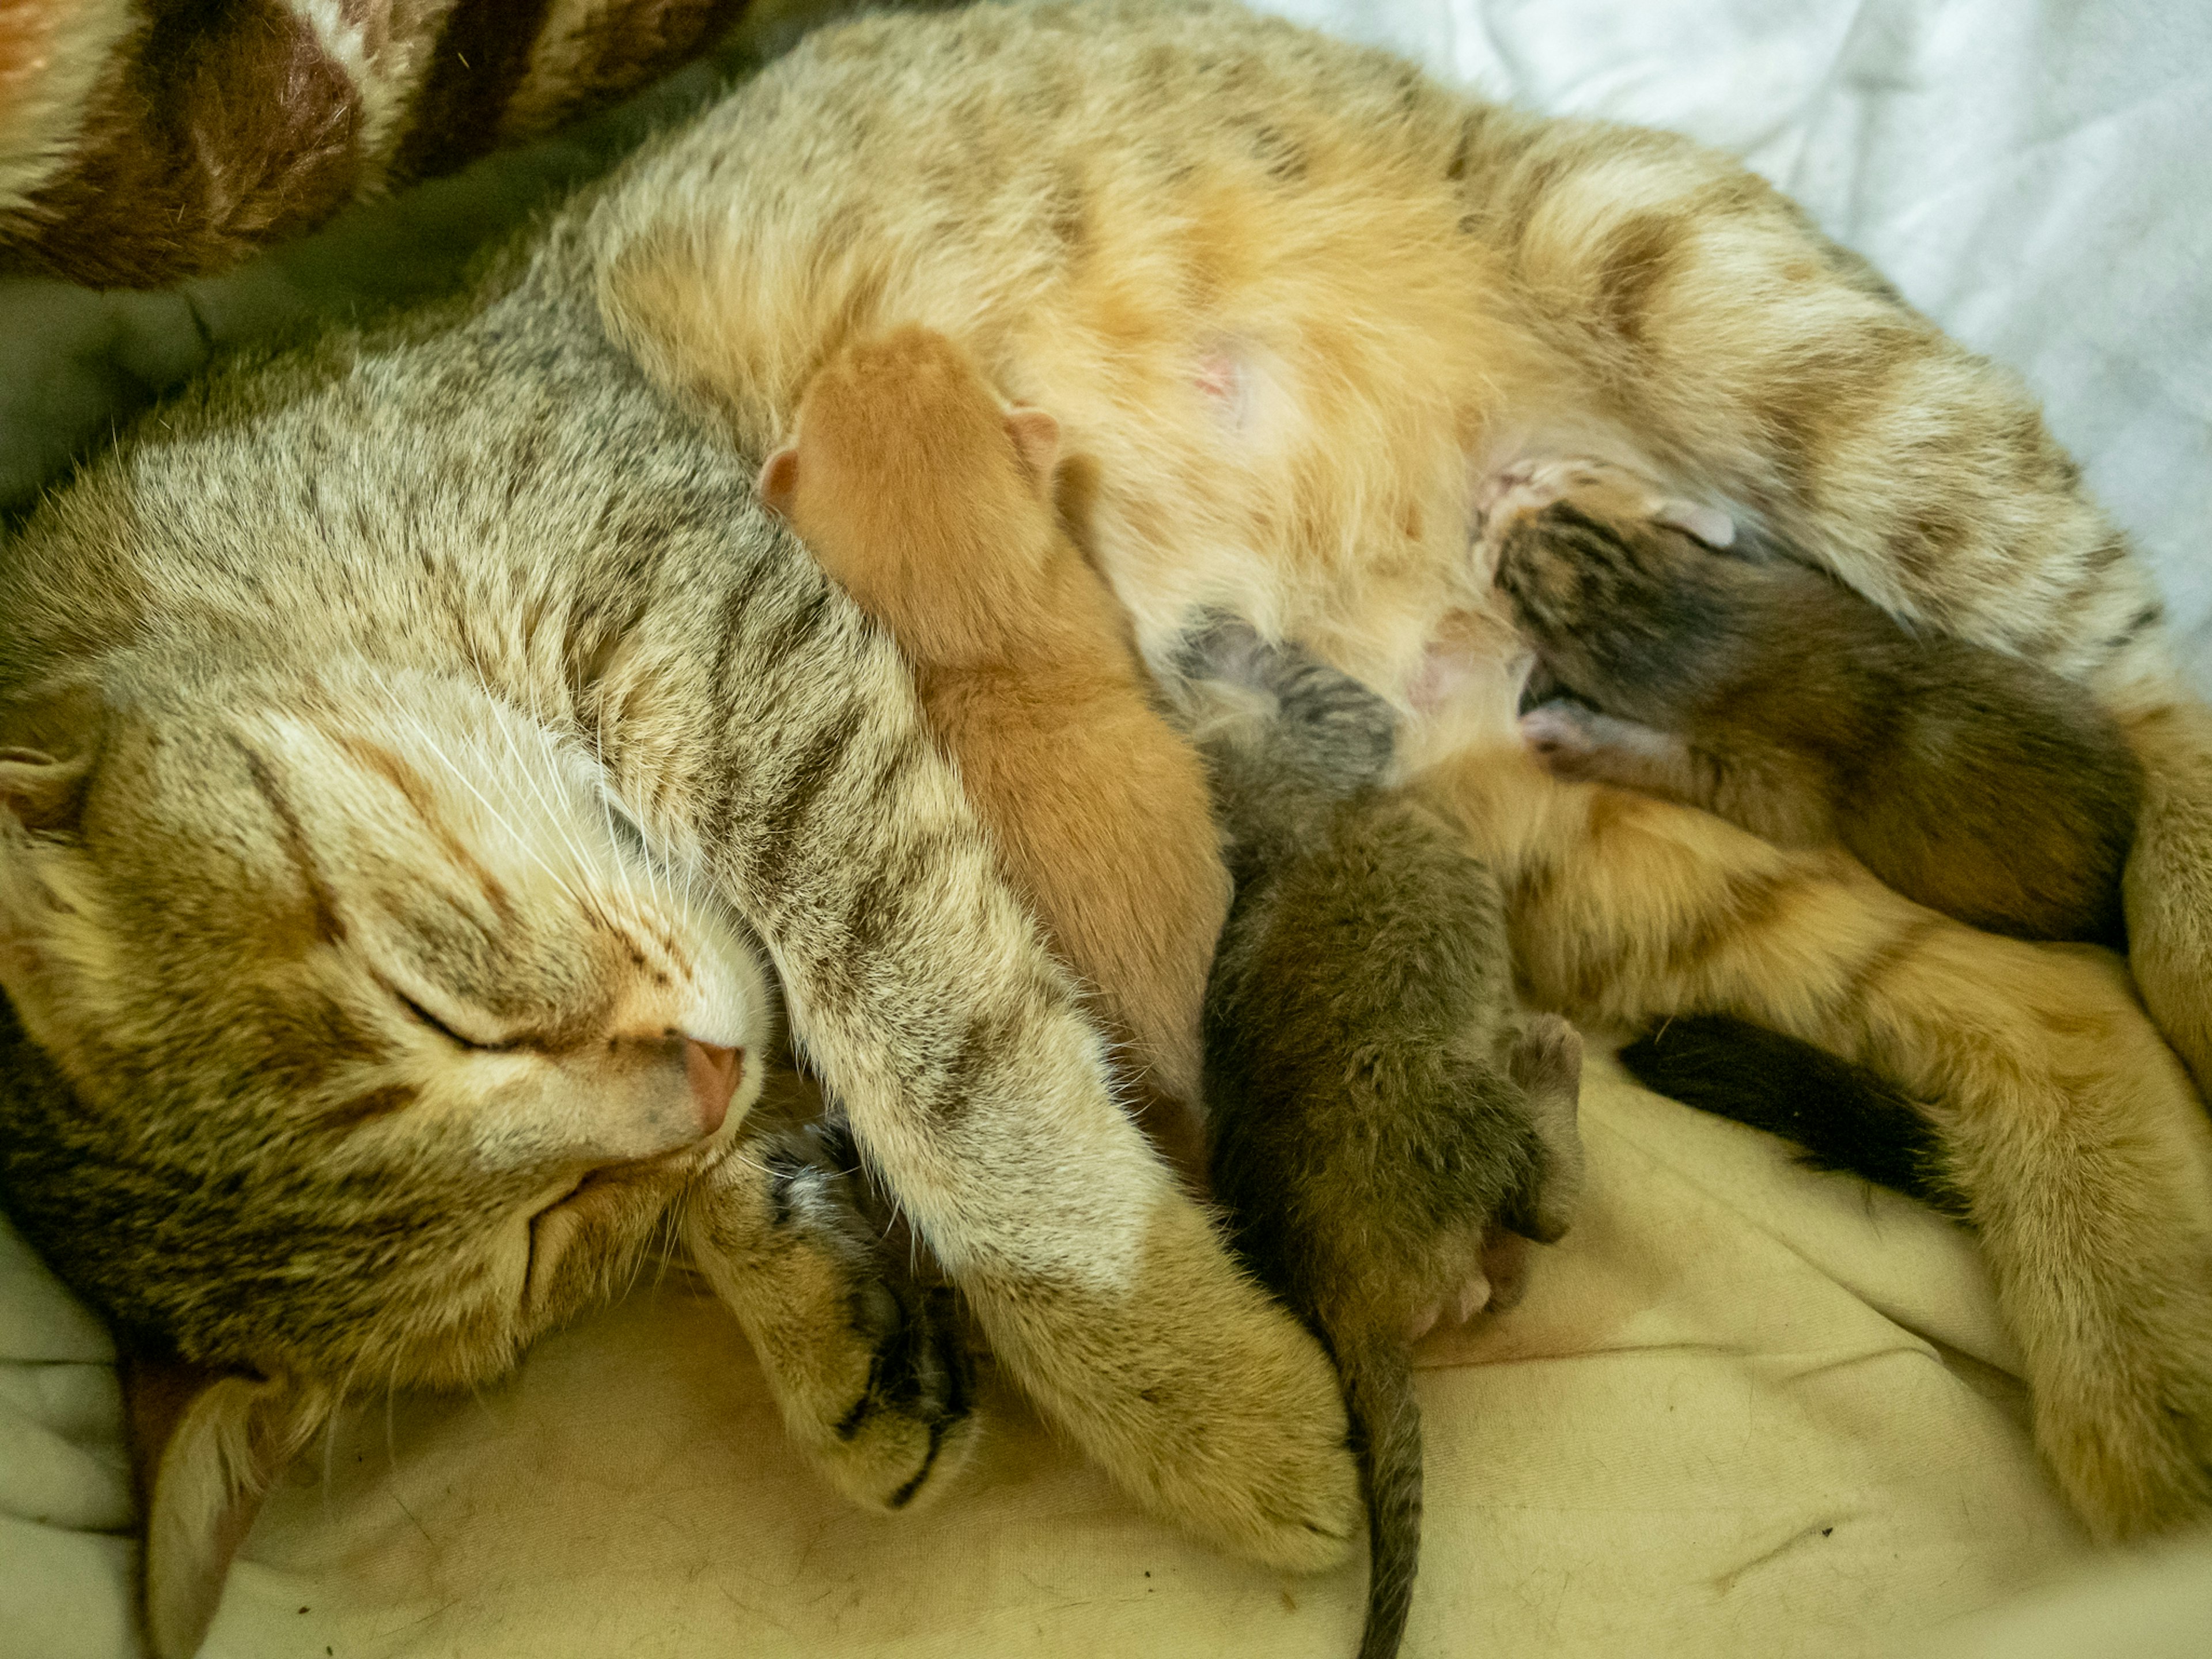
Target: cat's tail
1386	1439
1841	1116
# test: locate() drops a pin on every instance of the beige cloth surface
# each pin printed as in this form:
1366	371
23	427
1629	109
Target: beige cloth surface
1745	1410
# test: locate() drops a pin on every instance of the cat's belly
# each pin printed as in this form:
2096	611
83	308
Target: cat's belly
1244	277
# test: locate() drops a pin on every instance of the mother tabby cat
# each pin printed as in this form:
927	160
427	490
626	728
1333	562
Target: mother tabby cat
402	734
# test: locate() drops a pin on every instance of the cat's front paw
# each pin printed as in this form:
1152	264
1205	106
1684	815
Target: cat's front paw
868	1366
883	1395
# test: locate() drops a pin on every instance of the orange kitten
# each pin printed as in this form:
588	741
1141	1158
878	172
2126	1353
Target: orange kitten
933	505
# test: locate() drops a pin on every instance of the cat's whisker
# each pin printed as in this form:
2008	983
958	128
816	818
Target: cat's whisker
422	731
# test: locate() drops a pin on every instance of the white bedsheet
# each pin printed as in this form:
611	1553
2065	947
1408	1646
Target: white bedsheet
1727	1357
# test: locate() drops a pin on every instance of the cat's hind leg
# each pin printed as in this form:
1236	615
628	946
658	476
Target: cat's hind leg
1764	365
2083	1154
866	1364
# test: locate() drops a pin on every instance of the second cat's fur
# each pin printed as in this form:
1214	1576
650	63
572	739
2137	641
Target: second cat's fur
932	505
1292	301
1974	782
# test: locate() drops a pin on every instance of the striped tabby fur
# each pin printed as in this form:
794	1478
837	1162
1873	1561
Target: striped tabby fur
1288	299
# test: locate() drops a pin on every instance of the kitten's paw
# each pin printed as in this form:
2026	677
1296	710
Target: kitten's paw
1576	742
1600	489
1548	1063
1501	1174
1561	734
1495	1283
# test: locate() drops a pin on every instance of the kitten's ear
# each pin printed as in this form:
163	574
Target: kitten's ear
47	747
779	480
1708	524
206	1446
1037	440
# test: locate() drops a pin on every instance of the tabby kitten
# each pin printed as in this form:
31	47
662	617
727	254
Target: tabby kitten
1971	781
932	505
1290	303
1387	1128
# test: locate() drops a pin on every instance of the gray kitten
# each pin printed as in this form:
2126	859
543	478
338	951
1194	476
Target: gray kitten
1387	1127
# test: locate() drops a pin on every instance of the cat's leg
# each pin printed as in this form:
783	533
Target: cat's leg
2167	885
865	1365
1766	368
1778	796
919	988
2084	1155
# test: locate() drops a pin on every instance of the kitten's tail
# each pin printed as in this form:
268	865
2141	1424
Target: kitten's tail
1841	1116
1386	1439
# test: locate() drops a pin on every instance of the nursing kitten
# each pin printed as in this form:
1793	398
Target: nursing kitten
1976	783
1386	1127
1289	301
931	505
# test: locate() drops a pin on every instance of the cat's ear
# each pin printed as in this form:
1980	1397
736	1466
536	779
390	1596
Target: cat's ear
779	480
41	792
1037	440
206	1447
47	747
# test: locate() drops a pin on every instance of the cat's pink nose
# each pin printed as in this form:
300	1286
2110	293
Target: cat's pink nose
714	1072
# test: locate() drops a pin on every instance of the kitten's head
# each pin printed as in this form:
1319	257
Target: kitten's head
369	1021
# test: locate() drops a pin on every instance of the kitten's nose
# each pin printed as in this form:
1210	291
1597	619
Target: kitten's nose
714	1072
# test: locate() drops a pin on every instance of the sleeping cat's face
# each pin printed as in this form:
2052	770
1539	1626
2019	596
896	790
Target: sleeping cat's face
370	986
